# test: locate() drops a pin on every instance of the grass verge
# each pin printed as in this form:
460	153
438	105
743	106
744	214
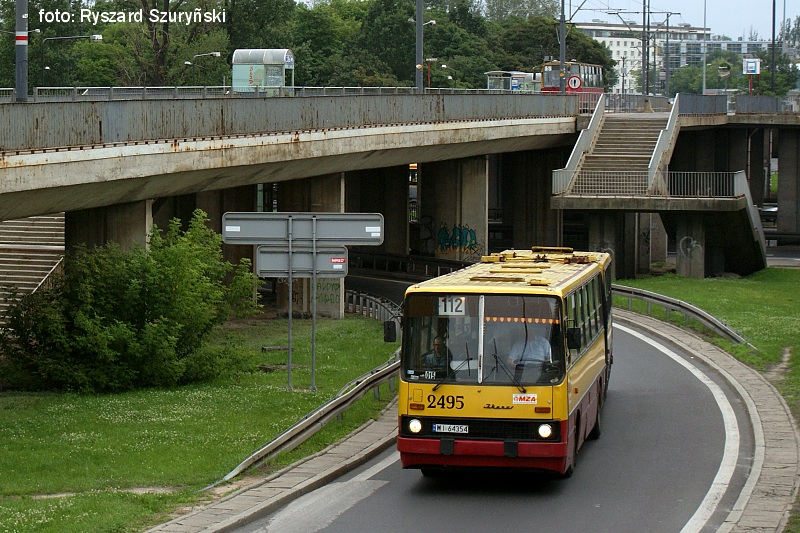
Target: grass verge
127	461
764	308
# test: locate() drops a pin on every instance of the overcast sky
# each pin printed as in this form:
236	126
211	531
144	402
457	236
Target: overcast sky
734	18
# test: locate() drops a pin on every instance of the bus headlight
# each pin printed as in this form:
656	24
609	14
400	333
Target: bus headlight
414	425
545	431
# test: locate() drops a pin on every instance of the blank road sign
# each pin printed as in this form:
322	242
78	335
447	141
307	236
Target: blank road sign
273	262
328	229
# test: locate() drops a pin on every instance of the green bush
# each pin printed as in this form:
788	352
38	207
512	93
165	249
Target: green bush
120	320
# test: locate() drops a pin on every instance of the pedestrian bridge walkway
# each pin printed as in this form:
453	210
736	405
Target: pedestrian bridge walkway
621	164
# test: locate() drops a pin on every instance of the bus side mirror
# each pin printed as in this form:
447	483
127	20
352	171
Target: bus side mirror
574	338
390	331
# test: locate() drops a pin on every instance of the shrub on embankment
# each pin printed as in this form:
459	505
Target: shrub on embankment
118	320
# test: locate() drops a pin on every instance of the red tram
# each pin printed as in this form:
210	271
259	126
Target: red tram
584	79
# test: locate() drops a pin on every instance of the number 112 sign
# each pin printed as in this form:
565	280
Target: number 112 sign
452	306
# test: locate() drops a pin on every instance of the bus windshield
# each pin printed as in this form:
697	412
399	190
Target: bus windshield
490	339
550	77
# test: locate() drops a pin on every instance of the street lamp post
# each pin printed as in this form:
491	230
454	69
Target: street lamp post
92	38
666	55
430	60
418	22
20	70
194	60
453	77
704	47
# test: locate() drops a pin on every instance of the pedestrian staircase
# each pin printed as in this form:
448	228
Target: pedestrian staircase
619	158
30	249
620	164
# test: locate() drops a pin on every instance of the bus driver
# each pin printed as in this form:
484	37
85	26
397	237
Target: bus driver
533	349
438	357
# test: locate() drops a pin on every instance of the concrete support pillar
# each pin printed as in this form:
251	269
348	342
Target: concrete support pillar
603	237
789	189
128	224
453	201
737	150
643	241
217	203
690	246
526	187
695	152
323	194
658	239
756	166
384	191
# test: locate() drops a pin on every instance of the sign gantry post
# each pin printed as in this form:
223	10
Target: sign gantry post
307	245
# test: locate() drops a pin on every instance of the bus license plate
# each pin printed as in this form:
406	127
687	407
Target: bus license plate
450	428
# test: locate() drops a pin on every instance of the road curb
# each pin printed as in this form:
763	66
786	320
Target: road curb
306	475
770	492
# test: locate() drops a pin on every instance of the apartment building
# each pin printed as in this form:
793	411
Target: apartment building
680	46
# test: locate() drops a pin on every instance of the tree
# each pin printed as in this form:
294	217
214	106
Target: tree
118	320
387	34
259	23
499	10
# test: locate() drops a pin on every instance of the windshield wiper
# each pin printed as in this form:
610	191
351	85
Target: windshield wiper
506	370
456	369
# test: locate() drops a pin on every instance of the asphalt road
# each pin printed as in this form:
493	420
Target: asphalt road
675	450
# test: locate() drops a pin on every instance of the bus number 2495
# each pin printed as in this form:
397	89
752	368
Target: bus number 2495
445	402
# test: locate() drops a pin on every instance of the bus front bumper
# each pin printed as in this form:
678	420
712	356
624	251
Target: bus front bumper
424	452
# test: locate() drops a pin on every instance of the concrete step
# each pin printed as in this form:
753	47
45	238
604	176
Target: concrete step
29	250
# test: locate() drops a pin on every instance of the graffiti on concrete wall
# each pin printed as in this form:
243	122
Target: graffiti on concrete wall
328	292
688	247
427	242
460	239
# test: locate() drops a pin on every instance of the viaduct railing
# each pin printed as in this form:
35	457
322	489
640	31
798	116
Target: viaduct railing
97	124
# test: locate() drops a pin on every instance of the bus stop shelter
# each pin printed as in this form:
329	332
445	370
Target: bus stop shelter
512	80
263	70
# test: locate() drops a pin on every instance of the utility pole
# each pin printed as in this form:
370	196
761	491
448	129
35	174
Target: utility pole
772	80
645	51
21	53
562	52
418	65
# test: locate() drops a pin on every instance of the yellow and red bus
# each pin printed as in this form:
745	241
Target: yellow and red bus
523	370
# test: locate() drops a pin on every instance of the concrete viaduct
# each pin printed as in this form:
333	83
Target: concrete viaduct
485	164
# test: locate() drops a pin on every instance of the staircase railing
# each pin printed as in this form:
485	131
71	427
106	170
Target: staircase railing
562	178
741	187
663	150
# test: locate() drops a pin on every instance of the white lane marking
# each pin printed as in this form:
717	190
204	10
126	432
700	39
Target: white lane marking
730	455
317	510
391	459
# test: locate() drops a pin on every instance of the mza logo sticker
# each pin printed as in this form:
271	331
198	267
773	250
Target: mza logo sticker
524	398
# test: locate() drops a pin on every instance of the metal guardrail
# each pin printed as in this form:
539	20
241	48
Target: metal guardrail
304	429
688	310
71	94
669	304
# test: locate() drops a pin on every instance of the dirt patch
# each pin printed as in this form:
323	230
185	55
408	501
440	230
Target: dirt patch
778	372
